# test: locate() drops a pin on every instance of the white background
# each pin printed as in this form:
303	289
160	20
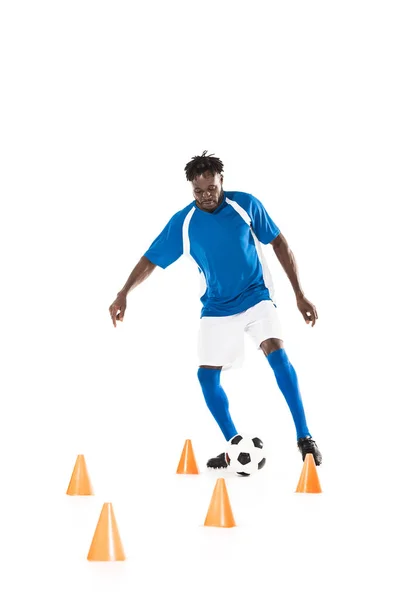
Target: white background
102	105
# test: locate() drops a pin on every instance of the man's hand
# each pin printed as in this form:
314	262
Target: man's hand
307	309
117	308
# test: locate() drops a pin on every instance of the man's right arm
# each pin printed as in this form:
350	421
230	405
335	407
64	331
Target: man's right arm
143	269
165	250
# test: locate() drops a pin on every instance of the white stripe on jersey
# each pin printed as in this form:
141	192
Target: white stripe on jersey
266	272
186	250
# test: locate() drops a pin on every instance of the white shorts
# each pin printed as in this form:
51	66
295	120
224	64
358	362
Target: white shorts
221	339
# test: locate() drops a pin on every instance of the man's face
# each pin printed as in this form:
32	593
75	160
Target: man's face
207	190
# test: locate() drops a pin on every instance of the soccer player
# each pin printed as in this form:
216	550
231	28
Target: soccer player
222	233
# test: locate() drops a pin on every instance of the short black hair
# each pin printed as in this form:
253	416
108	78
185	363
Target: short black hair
200	164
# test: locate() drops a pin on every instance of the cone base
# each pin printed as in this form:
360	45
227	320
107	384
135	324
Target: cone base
102	559
220	526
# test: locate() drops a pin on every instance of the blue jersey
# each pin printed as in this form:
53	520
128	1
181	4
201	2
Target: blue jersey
226	247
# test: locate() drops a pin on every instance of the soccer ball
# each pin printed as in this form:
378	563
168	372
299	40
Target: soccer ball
245	455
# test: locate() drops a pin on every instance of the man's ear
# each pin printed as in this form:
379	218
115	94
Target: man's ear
222	177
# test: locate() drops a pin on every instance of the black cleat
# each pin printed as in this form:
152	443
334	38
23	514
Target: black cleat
219	462
307	445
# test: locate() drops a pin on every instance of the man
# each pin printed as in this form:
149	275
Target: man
222	233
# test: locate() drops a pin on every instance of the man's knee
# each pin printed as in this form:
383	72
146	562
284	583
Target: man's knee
208	375
270	345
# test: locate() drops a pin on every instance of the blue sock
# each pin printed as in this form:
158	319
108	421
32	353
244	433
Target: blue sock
287	381
216	400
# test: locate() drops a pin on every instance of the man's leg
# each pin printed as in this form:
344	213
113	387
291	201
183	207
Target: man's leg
287	381
216	399
220	342
218	404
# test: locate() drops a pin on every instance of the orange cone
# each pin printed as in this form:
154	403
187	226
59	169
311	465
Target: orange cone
220	511
309	481
106	543
79	484
187	464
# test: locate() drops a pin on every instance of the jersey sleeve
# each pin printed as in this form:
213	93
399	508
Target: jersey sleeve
168	245
262	224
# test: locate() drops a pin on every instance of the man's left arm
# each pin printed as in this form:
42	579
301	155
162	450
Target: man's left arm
288	262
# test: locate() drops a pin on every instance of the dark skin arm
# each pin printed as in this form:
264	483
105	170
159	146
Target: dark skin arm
288	262
140	273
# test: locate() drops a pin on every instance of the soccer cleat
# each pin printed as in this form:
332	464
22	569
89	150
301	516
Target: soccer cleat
219	462
307	445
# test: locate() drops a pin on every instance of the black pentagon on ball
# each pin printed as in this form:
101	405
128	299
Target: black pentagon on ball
257	442
242	474
244	458
238	438
261	463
